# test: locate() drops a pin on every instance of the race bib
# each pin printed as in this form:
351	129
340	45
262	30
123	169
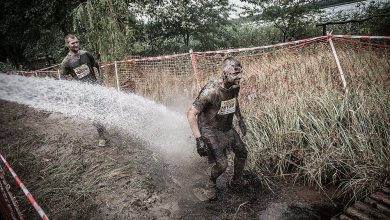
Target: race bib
82	71
227	107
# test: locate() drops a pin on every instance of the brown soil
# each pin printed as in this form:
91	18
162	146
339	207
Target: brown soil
71	178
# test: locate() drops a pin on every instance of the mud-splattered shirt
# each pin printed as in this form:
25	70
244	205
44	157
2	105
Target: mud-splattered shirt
217	106
80	66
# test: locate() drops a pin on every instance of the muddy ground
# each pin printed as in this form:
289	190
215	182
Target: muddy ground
58	160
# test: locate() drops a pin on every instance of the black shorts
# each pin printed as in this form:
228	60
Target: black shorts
220	142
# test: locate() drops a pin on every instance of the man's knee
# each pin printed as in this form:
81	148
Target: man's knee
221	166
241	152
244	153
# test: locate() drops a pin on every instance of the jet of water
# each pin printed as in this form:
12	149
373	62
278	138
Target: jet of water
139	117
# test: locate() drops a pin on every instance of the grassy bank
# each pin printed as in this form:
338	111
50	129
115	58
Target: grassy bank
325	140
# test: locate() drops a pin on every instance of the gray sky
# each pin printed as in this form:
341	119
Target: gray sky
237	2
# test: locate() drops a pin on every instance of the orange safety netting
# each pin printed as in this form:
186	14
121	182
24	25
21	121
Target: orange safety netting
271	73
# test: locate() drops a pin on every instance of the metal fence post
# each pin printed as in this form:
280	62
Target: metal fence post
337	62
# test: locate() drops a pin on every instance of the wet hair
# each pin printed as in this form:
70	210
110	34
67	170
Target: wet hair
230	65
71	36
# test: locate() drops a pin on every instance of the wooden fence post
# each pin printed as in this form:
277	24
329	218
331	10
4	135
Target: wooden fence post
116	76
197	75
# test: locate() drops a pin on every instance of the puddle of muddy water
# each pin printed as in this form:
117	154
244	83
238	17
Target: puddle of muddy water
297	210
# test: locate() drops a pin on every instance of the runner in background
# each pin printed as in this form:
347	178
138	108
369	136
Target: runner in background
82	66
211	121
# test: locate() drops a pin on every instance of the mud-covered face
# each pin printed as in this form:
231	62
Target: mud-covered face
73	44
232	73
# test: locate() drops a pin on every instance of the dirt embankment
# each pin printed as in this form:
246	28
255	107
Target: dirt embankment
58	160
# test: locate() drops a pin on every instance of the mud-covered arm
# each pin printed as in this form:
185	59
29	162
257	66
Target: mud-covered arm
192	117
238	111
64	71
96	67
197	107
240	119
201	142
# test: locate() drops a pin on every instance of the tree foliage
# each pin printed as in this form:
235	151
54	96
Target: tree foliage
183	21
114	29
380	25
252	34
368	18
31	27
374	24
105	26
292	17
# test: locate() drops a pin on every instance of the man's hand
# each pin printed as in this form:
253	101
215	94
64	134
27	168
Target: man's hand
201	146
242	126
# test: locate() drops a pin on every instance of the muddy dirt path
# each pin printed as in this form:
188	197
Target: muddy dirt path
58	160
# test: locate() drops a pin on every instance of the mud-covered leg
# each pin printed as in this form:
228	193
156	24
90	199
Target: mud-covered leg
217	156
218	169
102	134
219	159
220	164
239	164
240	155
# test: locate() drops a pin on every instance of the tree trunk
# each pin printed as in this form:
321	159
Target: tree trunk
187	39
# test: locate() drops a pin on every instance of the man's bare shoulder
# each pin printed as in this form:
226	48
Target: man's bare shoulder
210	88
81	52
206	95
66	59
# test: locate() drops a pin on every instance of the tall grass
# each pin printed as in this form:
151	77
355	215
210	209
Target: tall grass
325	139
302	124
